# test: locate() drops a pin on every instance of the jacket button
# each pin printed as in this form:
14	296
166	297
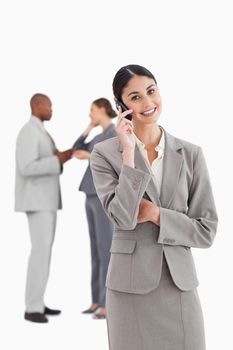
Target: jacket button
168	240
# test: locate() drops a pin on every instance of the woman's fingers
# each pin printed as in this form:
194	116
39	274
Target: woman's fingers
124	114
123	121
120	125
124	126
126	129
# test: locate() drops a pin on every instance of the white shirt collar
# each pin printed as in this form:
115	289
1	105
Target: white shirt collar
159	148
37	121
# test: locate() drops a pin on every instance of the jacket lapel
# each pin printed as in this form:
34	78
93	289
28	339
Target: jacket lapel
151	189
35	121
172	164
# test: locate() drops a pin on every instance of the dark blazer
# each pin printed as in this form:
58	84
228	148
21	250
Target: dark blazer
87	184
188	215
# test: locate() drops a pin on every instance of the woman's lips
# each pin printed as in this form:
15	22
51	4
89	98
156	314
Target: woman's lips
149	112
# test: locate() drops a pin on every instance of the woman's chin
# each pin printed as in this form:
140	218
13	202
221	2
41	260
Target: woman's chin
149	120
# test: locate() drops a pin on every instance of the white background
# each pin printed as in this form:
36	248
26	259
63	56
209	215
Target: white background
71	50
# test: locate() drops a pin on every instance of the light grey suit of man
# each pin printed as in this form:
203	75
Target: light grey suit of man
37	193
187	214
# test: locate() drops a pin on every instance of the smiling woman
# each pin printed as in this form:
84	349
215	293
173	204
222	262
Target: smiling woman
156	190
151	98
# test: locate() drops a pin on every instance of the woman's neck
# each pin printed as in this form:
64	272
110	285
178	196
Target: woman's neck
105	122
148	134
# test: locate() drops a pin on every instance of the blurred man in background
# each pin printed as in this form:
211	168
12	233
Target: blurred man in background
37	193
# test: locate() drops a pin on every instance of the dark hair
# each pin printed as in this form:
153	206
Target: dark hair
103	102
124	75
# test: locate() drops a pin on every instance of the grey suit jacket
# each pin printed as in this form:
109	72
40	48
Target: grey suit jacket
37	185
187	214
87	184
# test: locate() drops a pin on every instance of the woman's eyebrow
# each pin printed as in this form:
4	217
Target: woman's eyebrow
137	92
133	92
150	86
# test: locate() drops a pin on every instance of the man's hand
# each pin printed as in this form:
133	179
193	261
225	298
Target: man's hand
64	156
148	211
81	154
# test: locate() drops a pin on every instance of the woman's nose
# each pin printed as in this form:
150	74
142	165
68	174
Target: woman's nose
147	103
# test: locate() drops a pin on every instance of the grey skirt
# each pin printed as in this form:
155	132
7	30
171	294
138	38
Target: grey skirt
164	319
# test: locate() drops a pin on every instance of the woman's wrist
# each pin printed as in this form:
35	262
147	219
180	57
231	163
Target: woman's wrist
88	130
128	157
156	215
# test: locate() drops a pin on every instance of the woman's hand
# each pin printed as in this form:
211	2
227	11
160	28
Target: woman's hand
81	154
124	130
148	211
90	126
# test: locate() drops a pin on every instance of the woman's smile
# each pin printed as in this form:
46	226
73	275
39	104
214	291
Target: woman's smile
149	112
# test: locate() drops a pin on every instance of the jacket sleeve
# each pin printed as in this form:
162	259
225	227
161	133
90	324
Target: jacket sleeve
120	196
80	143
28	158
198	227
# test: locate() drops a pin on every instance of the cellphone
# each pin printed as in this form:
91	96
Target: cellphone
123	108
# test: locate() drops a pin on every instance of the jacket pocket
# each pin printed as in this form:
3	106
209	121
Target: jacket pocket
123	246
37	180
120	266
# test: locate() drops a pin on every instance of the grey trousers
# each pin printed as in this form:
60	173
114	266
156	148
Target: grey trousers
100	231
42	227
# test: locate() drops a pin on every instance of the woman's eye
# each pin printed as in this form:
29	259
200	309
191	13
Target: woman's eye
151	91
134	98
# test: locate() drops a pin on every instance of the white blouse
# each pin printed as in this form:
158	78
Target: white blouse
156	168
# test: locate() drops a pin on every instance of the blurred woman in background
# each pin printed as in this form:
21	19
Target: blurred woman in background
100	227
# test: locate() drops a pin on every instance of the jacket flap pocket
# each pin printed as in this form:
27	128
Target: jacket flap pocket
124	246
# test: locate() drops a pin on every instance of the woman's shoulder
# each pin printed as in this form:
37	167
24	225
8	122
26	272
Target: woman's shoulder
108	145
177	142
107	150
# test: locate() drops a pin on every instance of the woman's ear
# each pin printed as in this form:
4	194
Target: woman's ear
102	110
